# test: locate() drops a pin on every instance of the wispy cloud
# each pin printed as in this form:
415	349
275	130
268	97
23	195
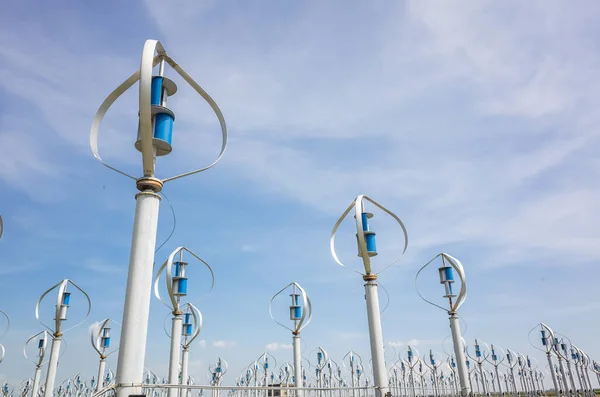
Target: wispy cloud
224	343
23	267
100	266
278	346
349	336
248	248
415	342
475	121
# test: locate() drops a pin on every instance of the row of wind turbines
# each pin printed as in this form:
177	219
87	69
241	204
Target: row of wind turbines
462	372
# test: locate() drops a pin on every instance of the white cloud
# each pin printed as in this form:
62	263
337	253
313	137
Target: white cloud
474	121
350	336
278	346
25	267
248	248
202	343
513	76
23	161
224	343
100	266
552	89
414	343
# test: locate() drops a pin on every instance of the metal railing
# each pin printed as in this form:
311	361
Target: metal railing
284	390
160	390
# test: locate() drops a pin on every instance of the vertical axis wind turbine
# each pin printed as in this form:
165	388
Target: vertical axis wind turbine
567	357
355	366
155	130
217	371
63	301
433	368
496	361
39	362
366	249
511	363
192	324
411	361
176	281
100	337
300	314
583	360
479	358
548	341
447	278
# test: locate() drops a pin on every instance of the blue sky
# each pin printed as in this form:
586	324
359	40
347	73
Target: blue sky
475	122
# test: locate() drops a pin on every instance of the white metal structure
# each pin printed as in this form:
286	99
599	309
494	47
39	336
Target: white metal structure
447	278
154	139
101	339
300	314
63	300
480	357
39	361
217	371
366	250
176	282
548	342
192	324
411	361
496	360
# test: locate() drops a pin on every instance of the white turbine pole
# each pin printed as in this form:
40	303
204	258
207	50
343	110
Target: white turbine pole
192	324
175	353
554	380
154	140
184	368
411	361
563	347
449	263
479	359
584	367
101	338
353	368
496	362
176	282
297	364
36	381
580	378
564	376
132	349
376	334
52	365
39	362
300	314
512	373
217	371
63	300
459	352
550	342
366	250
101	371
